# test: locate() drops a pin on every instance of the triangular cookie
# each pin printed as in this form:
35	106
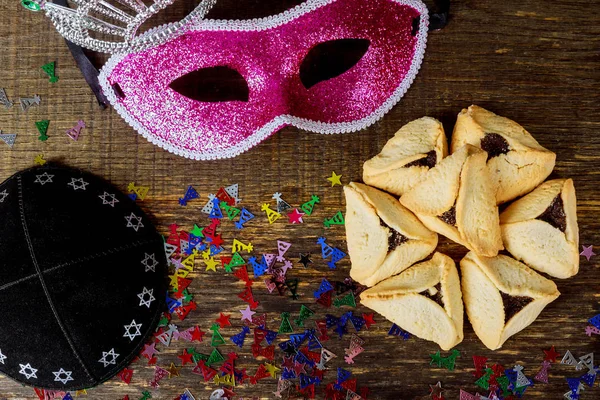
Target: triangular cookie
502	296
516	160
424	300
405	159
384	238
457	199
541	229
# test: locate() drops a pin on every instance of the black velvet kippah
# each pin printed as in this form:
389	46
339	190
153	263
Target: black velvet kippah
82	278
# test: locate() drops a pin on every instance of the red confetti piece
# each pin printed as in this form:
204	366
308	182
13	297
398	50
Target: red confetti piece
125	375
223	320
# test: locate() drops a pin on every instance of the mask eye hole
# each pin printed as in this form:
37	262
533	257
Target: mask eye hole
213	84
330	59
416	22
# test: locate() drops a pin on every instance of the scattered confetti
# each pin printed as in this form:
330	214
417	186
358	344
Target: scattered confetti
587	252
272	215
309	206
28	102
4	99
337	219
140	191
334	179
39	159
42	127
8	138
75	131
295	217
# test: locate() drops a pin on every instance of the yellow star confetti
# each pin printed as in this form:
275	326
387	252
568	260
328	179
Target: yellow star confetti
80	392
211	264
334	179
271	369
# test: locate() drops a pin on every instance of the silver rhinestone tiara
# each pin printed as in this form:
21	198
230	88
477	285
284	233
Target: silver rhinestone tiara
112	26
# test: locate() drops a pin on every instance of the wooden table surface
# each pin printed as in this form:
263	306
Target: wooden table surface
536	62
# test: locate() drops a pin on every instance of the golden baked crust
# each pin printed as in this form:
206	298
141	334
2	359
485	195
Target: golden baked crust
517	162
405	159
409	300
372	216
533	235
459	184
487	282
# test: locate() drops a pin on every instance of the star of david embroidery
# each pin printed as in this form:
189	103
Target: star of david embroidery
109	199
129	334
149	262
2	357
28	371
138	222
44	178
78	183
67	376
113	358
3	196
142	296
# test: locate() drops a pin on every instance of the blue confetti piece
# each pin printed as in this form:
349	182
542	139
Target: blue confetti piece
595	321
245	216
326	250
288	374
216	210
270	336
324	287
357	322
259	268
238	339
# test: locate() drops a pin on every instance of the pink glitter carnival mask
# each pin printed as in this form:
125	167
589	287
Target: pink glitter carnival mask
327	66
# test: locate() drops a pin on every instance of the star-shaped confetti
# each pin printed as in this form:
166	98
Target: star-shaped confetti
135	225
197	334
43	178
113	357
334	179
587	252
223	320
149	350
305	259
145	301
58	376
149	262
435	390
295	217
109	199
128	328
247	314
551	355
211	264
2	357
28	371
186	358
3	196
78	184
173	371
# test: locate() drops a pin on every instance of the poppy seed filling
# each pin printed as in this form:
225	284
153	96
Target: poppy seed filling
494	145
513	304
428	161
555	214
395	238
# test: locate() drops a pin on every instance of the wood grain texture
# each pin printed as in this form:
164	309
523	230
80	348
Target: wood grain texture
534	61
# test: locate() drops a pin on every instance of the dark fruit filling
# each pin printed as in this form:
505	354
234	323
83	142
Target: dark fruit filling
428	161
513	304
449	216
555	214
494	145
437	297
395	238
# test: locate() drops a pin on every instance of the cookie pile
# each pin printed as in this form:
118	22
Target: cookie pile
456	192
